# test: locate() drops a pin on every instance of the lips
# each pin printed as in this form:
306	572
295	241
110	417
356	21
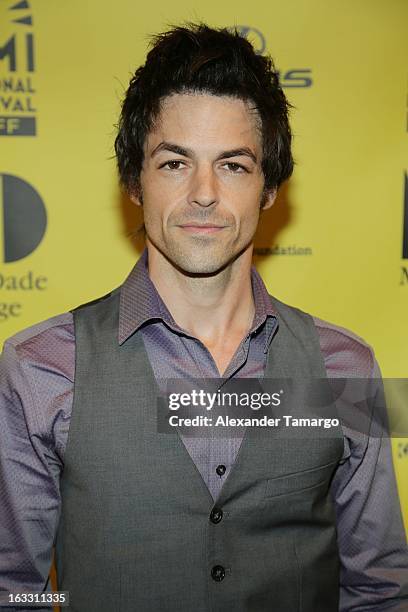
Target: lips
202	225
202	228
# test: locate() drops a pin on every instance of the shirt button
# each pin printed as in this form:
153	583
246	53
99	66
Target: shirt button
216	515
218	573
221	469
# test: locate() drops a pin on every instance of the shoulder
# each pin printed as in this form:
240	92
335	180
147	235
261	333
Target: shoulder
345	353
50	344
43	333
47	346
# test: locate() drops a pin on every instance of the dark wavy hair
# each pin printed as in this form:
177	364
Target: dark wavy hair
197	58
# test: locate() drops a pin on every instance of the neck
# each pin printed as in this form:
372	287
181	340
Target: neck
208	307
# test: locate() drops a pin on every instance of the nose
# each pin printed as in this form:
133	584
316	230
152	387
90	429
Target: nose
203	188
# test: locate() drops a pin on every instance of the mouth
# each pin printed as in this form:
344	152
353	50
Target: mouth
201	228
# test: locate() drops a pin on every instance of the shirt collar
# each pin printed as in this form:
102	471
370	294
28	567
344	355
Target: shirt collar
140	303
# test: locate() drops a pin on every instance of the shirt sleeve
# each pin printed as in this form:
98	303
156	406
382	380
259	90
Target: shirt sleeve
371	536
29	490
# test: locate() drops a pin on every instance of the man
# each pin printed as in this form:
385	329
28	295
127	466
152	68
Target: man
146	521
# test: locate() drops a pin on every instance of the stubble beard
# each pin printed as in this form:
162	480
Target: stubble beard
200	255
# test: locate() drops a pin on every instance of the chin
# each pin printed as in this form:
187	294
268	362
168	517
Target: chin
198	257
199	261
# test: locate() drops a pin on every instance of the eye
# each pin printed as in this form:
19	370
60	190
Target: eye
172	164
236	168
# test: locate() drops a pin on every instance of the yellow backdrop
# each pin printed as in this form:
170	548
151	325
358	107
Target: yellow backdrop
334	243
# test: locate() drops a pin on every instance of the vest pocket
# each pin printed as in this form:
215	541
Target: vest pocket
299	482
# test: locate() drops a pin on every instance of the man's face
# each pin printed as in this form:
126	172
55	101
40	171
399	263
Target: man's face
202	182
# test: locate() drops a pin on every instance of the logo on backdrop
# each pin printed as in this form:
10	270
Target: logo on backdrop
292	77
24	225
17	70
255	36
24	218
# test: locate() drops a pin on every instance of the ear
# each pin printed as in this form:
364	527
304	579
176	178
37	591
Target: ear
268	198
135	198
136	195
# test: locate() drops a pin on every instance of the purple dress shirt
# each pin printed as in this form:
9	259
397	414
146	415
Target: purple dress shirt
36	391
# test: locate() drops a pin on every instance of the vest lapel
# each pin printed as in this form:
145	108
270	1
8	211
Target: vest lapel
143	371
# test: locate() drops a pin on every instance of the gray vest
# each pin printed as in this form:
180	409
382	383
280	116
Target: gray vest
139	530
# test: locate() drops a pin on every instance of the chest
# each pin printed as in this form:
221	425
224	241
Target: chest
182	356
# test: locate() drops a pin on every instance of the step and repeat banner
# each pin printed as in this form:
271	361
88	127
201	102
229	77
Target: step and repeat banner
335	244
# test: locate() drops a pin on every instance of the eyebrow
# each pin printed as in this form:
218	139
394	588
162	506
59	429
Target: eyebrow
175	148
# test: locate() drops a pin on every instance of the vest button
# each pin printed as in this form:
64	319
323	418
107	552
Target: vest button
221	469
218	573
216	515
